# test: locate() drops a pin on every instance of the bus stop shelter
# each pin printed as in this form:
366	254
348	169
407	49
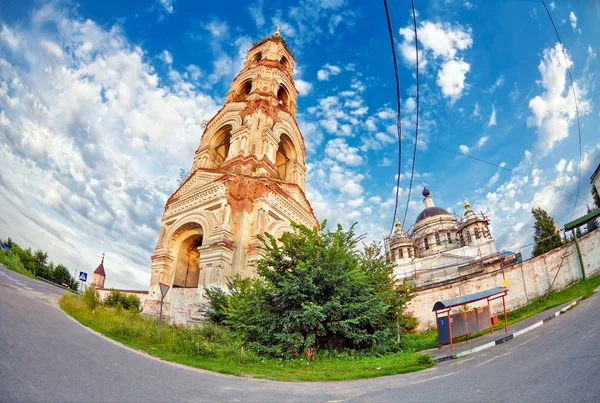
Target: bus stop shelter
467	322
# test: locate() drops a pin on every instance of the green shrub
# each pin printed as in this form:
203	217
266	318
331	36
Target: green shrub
316	292
117	299
91	298
12	262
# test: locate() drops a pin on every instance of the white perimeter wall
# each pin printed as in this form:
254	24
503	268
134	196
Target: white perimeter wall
529	279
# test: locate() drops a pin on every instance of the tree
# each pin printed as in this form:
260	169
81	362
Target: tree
546	236
316	291
40	264
595	195
591	225
61	275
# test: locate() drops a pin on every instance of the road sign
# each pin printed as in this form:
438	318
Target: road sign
82	276
163	289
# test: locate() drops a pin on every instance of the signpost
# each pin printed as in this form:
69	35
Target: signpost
163	291
82	276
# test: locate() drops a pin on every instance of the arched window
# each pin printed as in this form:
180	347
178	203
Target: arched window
243	90
221	145
400	254
449	238
410	252
438	241
477	233
284	62
257	57
283	97
285	157
426	243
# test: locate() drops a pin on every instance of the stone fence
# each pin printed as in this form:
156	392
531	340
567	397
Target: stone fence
529	279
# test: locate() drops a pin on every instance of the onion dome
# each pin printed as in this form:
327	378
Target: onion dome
431	212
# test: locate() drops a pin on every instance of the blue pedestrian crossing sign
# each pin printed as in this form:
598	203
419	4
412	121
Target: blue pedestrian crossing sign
82	276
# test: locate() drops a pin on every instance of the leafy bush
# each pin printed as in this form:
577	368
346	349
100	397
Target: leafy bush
119	300
316	292
12	262
91	298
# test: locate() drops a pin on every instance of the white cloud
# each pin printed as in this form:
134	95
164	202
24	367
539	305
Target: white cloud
552	6
328	70
100	159
166	57
553	113
303	87
464	149
352	189
339	150
451	78
573	19
439	40
410	105
493	179
167	5
561	165
257	13
52	48
476	110
7	36
482	141
497	84
441	44
492	121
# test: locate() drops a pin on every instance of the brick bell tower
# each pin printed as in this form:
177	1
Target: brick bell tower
248	177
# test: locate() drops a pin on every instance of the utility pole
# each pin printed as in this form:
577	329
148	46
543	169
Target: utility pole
75	275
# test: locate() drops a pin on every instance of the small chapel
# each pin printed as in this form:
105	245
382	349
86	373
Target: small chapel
440	247
248	177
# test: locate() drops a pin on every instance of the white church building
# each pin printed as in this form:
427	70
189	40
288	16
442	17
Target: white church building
440	247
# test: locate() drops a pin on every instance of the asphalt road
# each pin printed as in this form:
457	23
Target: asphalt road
46	356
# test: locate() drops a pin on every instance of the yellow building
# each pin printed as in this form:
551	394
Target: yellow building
248	177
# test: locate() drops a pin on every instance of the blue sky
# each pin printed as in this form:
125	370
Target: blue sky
101	104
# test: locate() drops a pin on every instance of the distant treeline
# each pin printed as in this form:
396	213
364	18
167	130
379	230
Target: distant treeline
33	264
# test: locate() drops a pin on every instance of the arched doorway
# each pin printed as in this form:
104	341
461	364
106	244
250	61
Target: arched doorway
187	262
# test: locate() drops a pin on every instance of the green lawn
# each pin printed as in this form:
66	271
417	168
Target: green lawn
585	289
217	349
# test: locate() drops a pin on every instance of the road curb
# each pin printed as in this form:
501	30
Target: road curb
508	337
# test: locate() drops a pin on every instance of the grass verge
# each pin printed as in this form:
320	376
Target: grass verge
585	289
12	262
217	349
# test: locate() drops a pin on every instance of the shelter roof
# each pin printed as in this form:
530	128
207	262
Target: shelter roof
582	220
465	299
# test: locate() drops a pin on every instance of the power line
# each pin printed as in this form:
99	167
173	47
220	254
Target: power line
398	117
501	167
574	96
3	11
412	173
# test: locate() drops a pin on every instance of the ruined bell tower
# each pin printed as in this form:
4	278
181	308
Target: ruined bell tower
248	177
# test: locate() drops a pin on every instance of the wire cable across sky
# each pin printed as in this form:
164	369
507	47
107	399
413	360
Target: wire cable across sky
399	116
414	159
574	96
